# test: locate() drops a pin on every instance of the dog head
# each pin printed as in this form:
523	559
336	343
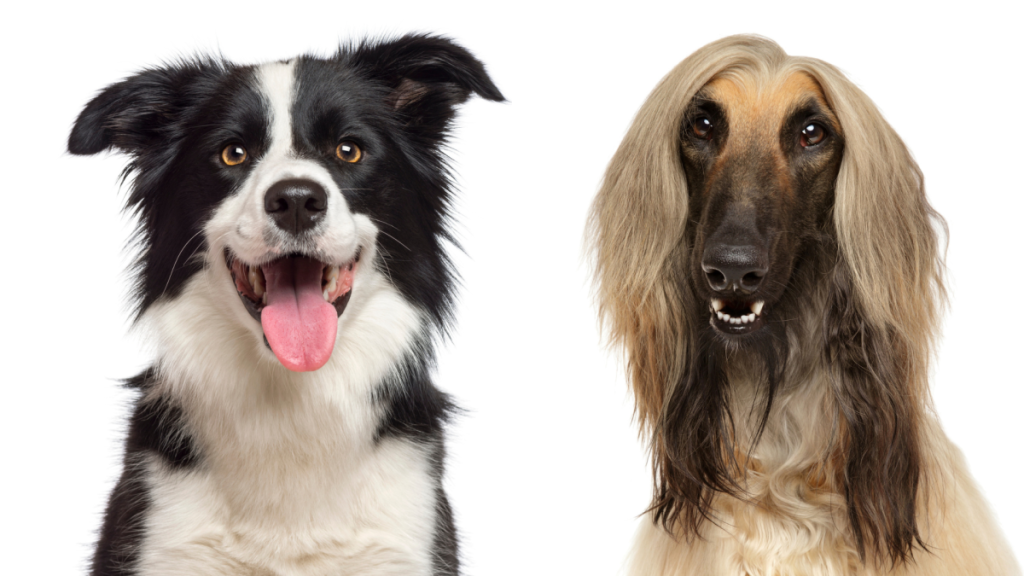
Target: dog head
761	213
286	179
761	156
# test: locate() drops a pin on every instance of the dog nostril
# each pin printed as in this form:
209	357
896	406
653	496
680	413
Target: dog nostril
716	279
751	280
316	204
276	205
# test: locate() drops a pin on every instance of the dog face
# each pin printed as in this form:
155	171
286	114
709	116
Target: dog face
762	230
285	180
761	165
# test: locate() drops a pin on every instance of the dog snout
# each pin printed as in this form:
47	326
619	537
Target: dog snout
734	268
296	206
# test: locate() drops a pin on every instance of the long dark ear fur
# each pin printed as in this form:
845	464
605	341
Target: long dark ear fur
428	76
881	318
878	425
140	111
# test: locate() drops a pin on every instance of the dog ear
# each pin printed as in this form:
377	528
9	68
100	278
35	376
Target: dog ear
138	111
427	77
876	452
885	227
881	319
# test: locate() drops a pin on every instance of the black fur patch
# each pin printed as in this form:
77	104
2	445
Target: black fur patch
118	547
155	429
412	406
446	542
415	409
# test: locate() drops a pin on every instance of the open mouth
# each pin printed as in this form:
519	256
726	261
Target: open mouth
297	300
736	316
251	281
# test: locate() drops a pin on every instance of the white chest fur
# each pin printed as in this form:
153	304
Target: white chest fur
292	479
373	518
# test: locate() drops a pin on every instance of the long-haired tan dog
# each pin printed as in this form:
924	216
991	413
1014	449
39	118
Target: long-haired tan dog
767	258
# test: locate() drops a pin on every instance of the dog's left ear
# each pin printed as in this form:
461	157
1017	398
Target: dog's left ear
428	76
880	322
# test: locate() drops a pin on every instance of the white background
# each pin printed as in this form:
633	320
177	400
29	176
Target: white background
545	472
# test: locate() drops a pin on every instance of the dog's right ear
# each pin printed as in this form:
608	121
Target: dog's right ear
138	111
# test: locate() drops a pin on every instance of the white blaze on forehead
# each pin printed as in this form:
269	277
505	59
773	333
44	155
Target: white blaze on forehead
241	222
277	82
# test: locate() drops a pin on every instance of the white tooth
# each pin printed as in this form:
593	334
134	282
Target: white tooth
254	281
326	294
726	317
756	308
734	321
717	304
750	317
332	273
720	317
264	298
743	320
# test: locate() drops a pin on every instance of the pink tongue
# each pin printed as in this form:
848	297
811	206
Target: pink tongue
300	325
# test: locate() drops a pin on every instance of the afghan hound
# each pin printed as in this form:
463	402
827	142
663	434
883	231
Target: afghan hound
766	257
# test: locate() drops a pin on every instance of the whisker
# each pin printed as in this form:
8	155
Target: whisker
175	264
384	260
392	237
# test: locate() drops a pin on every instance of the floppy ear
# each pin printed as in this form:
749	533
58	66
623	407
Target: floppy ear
640	253
139	111
881	318
427	77
876	453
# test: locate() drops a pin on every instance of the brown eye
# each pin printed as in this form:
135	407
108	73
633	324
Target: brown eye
811	135
349	152
234	154
702	127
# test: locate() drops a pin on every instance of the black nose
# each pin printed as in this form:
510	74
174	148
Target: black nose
296	205
737	268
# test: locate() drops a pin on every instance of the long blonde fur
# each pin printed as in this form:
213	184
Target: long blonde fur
791	519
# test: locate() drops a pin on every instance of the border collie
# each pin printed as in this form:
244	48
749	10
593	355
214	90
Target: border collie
293	217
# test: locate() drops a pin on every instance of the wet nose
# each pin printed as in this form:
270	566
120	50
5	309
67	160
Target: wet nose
296	205
736	268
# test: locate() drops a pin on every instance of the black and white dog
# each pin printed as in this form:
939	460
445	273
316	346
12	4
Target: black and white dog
292	218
